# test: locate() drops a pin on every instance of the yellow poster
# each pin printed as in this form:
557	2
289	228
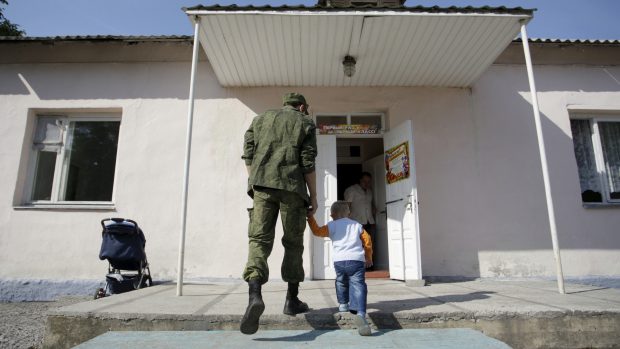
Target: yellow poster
397	163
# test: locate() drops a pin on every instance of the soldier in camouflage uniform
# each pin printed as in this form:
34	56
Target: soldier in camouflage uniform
279	153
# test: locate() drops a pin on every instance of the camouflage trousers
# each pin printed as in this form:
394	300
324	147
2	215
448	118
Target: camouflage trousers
261	234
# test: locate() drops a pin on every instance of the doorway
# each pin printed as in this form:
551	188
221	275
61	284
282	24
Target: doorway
340	157
354	156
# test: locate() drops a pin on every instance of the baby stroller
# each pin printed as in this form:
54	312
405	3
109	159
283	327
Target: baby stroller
123	245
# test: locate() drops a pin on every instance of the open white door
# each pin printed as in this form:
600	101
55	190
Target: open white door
327	192
402	208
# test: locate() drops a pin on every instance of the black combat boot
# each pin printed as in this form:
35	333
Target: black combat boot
293	305
249	323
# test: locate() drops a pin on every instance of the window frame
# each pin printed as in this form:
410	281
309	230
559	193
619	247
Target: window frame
58	184
599	157
348	117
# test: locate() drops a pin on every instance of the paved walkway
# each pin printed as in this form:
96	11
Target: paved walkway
482	297
315	339
523	314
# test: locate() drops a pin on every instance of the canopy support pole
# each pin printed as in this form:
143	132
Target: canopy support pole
188	148
543	160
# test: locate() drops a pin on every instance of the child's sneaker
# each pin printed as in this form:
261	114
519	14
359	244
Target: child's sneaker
363	328
343	308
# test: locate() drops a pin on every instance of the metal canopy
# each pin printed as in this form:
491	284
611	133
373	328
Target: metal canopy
267	47
265	41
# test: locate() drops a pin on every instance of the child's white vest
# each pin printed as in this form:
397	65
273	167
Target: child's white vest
345	234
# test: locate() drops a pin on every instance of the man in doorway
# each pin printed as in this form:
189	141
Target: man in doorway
362	204
279	152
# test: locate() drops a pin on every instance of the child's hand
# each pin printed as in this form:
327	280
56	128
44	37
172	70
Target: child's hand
368	264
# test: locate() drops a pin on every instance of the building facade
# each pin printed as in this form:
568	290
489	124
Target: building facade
94	127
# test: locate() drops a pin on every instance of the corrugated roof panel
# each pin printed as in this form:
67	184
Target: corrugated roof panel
464	51
339	48
449	29
445	64
290	40
324	63
408	37
252	42
312	51
460	48
418	48
354	45
399	38
384	36
228	46
214	52
490	49
451	59
235	42
485	30
426	49
392	50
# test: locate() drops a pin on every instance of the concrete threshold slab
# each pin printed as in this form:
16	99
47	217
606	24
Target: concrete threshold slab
523	314
286	339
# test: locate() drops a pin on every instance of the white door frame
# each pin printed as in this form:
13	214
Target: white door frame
327	192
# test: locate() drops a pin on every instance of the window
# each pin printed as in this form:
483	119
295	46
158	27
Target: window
597	150
73	159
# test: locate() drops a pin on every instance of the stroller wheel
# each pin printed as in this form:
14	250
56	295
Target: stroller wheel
100	293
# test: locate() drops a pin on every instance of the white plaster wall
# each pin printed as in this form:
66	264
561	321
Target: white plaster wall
483	210
482	205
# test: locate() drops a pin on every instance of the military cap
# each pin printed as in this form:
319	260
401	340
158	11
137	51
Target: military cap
293	98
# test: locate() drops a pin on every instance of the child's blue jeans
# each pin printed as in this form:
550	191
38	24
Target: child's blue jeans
351	284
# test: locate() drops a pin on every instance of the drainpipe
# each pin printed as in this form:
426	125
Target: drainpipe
188	148
543	160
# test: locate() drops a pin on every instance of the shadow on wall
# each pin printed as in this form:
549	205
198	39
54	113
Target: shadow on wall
518	201
12	84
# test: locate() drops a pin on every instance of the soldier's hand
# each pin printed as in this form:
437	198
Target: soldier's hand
313	206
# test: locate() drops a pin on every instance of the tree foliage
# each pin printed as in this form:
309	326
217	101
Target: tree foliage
6	27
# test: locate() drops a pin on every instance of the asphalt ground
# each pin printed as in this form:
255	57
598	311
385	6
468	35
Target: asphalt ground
23	323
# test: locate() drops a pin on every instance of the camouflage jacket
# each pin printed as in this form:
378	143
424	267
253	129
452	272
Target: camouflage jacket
280	147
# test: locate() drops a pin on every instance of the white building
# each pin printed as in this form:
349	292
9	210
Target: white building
95	127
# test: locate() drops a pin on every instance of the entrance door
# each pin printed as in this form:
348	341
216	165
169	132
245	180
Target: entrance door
402	212
326	191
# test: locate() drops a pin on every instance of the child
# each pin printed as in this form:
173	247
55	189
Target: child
352	254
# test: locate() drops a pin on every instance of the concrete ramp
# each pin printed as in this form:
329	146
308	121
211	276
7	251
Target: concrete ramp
457	338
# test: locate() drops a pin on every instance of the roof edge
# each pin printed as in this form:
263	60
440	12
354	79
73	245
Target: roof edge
571	41
189	38
99	38
370	7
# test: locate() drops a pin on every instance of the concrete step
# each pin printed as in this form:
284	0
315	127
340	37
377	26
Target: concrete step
523	314
313	339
